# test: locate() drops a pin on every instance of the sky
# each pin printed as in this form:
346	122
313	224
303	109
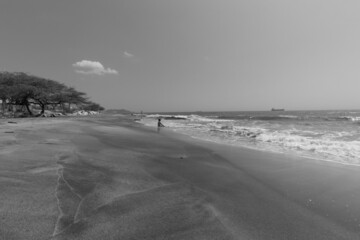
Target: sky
190	55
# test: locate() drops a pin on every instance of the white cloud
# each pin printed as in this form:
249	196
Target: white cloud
92	67
128	55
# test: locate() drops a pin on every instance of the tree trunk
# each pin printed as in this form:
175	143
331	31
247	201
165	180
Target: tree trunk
28	109
41	114
63	107
42	109
3	105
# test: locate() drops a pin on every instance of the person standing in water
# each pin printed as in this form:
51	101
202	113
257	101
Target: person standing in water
160	124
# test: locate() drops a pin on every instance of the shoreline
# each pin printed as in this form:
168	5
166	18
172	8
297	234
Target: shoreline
121	179
245	148
325	135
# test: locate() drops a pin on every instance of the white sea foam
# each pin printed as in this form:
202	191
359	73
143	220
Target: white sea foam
329	140
166	116
321	147
288	116
351	118
197	118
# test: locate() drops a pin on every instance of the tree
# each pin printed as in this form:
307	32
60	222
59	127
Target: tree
45	92
91	106
14	89
21	89
71	96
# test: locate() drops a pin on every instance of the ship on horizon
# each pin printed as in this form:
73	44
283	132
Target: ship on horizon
277	109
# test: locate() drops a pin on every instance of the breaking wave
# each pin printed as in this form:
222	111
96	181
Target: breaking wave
327	136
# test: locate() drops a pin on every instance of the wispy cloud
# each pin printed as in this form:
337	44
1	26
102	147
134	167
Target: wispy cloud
92	67
128	55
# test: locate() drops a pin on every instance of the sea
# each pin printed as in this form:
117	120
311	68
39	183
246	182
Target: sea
323	135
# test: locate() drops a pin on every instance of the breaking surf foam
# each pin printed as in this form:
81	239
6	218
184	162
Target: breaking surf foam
331	136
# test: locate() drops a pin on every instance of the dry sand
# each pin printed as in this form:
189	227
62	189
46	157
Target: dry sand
109	178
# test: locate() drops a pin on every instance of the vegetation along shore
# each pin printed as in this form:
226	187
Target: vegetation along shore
25	95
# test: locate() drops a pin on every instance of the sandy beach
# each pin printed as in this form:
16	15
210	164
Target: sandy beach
112	178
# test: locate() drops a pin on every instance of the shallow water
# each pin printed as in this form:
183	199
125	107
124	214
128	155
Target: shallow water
326	135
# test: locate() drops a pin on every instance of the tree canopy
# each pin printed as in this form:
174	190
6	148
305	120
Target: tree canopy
28	91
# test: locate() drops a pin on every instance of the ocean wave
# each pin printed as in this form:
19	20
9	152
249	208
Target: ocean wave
209	119
320	136
326	147
166	116
322	145
274	118
290	118
232	117
350	118
263	118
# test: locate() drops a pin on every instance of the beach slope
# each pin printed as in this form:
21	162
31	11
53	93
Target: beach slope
110	178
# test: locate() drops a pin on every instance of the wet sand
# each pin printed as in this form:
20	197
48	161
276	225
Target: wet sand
110	178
